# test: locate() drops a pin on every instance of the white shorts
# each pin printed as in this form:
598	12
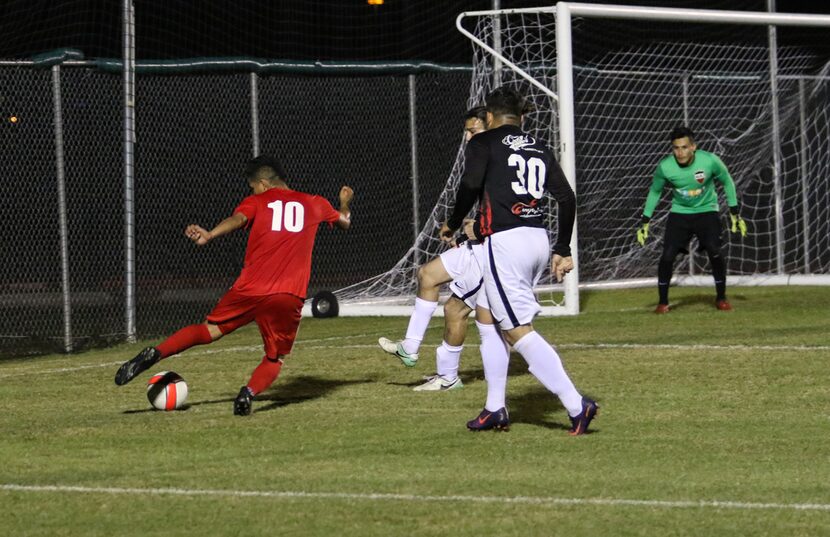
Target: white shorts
516	259
464	264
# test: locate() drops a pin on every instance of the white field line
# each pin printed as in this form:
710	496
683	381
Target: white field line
624	346
304	345
520	500
35	371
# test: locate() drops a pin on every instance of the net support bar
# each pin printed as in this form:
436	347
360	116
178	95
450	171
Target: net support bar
497	55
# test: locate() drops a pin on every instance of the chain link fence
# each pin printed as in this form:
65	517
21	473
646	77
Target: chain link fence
194	134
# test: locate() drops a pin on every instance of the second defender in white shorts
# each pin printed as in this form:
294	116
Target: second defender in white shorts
462	268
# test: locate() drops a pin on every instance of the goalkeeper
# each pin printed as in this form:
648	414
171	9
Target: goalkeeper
691	173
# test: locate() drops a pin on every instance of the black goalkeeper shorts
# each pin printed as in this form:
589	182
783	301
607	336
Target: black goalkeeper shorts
681	227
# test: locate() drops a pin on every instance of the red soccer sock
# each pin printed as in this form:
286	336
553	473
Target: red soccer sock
264	375
195	334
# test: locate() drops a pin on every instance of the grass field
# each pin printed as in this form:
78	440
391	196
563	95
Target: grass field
712	423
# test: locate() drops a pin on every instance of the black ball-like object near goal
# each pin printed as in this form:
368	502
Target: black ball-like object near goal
324	305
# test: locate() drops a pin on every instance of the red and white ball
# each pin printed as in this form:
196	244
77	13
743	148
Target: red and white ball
166	390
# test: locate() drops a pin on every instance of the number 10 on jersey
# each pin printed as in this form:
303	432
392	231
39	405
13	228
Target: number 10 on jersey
290	217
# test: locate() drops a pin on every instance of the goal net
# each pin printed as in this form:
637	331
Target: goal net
634	80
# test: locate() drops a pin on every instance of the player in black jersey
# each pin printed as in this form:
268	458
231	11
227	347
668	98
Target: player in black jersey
509	171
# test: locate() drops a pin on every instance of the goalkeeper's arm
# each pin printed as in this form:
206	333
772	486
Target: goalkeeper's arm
654	192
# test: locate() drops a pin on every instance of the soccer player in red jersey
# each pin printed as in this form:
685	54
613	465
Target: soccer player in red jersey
272	285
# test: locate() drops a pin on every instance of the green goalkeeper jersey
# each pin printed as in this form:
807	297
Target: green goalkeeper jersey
693	185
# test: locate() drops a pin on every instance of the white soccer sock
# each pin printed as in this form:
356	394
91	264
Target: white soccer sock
447	358
418	324
544	363
495	358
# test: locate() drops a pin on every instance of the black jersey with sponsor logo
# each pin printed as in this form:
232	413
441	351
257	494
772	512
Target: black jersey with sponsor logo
509	171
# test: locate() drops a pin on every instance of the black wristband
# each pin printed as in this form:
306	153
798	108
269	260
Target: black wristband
564	251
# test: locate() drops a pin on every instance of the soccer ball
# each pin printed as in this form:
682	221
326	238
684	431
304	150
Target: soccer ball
166	390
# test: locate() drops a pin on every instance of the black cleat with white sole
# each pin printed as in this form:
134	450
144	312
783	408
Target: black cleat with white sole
142	362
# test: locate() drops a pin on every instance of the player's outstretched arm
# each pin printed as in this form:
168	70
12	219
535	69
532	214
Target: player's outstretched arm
346	197
201	236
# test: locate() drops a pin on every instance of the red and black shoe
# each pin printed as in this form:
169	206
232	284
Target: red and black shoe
497	420
243	401
661	308
580	423
723	305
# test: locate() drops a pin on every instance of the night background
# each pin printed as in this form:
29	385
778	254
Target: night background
411	30
352	125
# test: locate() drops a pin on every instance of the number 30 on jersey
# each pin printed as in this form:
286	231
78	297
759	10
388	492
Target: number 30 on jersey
290	217
531	174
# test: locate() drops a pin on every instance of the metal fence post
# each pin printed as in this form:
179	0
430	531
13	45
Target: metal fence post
413	142
255	114
129	167
60	170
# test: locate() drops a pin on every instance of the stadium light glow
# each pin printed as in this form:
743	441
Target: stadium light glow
375	2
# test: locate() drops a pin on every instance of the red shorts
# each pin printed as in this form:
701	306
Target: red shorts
277	316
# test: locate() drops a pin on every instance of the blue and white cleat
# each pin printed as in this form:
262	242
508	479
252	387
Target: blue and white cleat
497	420
580	423
396	349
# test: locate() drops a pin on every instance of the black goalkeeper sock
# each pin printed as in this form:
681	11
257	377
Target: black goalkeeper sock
719	273
664	270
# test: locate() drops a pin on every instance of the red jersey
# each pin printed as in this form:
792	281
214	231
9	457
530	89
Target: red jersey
283	225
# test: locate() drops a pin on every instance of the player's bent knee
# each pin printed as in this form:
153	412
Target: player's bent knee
433	274
424	279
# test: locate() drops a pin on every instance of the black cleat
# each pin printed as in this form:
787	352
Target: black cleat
497	420
580	423
142	362
242	403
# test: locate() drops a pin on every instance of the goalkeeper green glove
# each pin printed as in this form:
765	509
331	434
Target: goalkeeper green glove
642	234
738	224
